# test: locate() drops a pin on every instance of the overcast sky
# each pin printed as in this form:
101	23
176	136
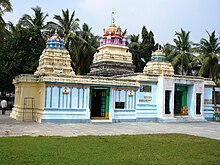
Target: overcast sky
163	17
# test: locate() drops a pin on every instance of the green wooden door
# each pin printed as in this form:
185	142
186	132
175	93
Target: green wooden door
180	98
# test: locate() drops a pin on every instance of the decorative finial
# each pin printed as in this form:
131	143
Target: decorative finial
112	18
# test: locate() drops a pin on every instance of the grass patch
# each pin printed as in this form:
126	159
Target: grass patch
124	149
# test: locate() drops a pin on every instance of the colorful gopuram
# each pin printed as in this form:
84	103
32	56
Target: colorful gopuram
55	59
112	57
111	92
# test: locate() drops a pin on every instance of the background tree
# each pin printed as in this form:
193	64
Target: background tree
81	43
134	48
183	59
209	51
170	52
141	51
19	58
66	25
83	49
5	6
209	56
37	21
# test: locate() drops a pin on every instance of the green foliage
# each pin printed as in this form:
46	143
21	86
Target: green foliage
37	21
182	59
141	51
66	25
5	6
124	149
82	49
19	55
170	52
81	43
209	56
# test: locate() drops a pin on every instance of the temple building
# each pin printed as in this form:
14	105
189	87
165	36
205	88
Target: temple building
111	92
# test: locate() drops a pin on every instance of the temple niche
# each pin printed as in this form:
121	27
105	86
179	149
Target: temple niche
111	92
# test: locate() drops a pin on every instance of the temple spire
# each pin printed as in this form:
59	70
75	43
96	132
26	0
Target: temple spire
112	18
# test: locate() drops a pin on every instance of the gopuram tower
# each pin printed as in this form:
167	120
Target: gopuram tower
157	65
112	57
55	59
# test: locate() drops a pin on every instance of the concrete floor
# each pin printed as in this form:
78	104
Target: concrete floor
11	127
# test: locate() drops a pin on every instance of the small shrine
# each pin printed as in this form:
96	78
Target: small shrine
111	92
157	65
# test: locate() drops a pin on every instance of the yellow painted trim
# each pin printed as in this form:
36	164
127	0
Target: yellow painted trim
106	117
99	118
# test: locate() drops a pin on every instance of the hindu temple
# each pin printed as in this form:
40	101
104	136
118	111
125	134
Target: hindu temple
111	92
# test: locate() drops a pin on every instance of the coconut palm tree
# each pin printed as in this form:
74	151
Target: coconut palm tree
83	48
134	48
209	56
37	21
209	51
169	51
5	6
66	26
182	62
141	50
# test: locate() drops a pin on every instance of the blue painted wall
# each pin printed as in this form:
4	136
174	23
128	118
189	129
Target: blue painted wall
74	105
138	105
120	95
208	106
191	100
146	102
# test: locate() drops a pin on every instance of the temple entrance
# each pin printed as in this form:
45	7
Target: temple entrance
99	103
180	100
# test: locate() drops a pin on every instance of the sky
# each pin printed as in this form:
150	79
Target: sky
162	17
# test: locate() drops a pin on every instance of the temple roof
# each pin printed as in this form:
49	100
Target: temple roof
55	42
113	35
158	55
157	65
113	31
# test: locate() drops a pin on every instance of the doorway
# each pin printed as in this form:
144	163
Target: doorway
99	104
180	100
28	110
198	103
